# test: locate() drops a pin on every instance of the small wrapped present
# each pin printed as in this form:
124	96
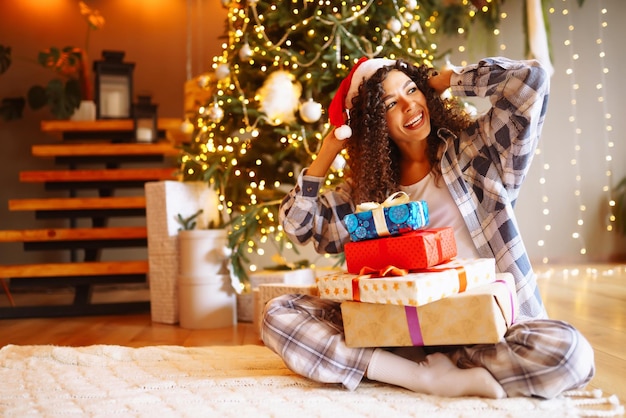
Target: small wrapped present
412	250
479	316
268	291
395	286
394	216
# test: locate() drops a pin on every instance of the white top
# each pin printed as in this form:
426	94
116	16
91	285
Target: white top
443	212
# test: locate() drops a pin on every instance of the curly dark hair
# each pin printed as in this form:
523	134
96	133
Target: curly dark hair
373	158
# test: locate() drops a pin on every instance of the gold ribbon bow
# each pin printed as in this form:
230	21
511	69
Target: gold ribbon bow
398	198
388	271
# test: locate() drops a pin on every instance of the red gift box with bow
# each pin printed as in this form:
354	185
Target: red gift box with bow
412	250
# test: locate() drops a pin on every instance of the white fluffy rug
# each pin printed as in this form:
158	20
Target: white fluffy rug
237	381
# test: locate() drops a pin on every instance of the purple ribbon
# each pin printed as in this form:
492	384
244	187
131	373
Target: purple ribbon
413	323
511	300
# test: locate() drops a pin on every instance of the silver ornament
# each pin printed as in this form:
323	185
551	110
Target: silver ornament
222	71
245	52
215	113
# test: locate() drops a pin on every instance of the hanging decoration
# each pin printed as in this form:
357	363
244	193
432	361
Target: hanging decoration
245	52
311	111
222	72
279	97
215	113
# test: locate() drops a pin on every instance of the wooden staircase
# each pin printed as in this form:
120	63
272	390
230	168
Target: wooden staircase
103	143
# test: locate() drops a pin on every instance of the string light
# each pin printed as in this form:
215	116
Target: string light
573	118
542	241
608	129
578	232
545	210
465	40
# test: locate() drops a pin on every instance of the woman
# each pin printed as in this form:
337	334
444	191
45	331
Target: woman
401	135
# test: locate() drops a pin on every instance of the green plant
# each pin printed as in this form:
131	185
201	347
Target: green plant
71	83
189	222
63	93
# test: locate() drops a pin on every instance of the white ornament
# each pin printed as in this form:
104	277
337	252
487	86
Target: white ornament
215	113
186	127
394	25
310	111
416	27
280	97
245	52
222	71
339	163
203	81
411	4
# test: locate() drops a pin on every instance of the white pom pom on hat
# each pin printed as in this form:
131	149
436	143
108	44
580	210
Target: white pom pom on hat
343	132
348	89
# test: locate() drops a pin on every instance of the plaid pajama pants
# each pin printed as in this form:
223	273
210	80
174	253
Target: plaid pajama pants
537	358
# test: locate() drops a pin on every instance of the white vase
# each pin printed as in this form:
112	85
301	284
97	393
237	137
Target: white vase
206	297
203	252
86	111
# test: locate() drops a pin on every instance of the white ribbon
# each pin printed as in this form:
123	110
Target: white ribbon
398	198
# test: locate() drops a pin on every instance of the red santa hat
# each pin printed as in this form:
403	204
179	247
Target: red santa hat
339	109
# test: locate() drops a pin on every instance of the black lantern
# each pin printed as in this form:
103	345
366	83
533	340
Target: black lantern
145	118
114	86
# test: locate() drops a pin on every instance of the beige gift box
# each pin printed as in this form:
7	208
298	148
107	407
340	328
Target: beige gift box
478	316
296	277
412	289
268	291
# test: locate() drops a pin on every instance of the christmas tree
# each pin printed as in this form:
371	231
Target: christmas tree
277	74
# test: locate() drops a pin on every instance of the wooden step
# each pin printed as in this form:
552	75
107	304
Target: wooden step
52	270
103	125
104	149
78	203
112	129
73	234
121	174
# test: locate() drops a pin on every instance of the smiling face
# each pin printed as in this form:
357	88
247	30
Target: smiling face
407	115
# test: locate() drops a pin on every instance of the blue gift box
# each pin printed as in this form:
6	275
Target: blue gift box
387	220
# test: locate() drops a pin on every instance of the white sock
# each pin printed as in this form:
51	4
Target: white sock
390	368
437	375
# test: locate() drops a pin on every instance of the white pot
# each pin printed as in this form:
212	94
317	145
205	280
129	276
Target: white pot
206	302
205	295
203	252
86	111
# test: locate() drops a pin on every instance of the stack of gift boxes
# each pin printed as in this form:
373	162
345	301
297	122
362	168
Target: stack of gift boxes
406	287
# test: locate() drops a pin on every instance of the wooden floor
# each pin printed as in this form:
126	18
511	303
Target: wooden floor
592	298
